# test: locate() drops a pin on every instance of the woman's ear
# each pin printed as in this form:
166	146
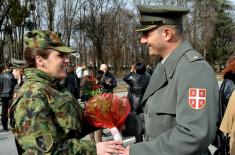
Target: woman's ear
40	61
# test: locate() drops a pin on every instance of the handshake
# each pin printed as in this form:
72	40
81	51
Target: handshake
130	130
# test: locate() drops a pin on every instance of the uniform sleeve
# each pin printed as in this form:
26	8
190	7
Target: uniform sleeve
37	133
195	128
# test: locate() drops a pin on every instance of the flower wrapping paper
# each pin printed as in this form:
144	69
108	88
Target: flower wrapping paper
107	110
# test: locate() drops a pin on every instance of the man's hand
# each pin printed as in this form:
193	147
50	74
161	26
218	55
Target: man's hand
109	148
133	68
126	151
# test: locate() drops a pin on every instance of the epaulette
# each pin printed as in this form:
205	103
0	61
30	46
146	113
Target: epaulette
193	55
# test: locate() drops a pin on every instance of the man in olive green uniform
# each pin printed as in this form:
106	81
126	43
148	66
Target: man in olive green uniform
180	102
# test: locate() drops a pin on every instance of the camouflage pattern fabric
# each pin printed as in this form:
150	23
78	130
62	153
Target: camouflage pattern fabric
46	39
48	118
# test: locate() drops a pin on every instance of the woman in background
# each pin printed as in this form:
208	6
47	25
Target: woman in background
226	89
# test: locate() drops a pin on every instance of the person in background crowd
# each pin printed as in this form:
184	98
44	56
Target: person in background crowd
87	83
138	81
99	78
72	83
109	81
228	85
79	71
79	75
48	119
7	84
180	103
226	89
92	68
18	73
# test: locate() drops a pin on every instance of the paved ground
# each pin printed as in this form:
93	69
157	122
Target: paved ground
7	143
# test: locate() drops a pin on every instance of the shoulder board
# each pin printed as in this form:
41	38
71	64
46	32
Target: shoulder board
193	55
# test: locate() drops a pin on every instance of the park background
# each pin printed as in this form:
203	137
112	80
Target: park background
103	31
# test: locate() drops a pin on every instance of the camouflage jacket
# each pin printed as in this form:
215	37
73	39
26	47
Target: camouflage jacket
48	120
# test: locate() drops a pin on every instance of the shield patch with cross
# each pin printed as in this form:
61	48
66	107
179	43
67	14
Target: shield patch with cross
44	142
197	98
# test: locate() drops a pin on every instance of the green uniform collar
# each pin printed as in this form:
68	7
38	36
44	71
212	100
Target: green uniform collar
171	62
34	74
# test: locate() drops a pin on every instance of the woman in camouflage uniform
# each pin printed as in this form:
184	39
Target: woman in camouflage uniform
48	120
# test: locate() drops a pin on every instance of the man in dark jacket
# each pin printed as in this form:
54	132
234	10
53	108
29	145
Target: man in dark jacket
72	83
138	81
7	84
109	81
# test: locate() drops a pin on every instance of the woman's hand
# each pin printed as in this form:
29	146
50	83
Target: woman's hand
109	148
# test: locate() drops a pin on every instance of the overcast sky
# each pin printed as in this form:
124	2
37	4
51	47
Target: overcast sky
233	1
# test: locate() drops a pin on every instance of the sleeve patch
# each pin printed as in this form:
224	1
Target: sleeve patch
44	142
197	98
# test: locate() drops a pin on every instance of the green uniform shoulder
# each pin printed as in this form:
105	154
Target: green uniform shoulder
193	55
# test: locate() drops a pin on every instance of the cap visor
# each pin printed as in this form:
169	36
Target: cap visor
144	28
17	62
64	49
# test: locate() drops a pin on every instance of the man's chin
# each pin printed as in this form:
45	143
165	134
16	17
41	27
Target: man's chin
151	53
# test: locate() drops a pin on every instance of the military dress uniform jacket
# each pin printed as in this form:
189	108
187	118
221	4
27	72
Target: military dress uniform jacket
180	106
48	120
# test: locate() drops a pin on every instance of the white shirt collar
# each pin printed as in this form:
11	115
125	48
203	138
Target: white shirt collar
163	60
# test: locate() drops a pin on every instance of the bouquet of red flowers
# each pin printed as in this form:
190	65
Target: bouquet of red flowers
108	111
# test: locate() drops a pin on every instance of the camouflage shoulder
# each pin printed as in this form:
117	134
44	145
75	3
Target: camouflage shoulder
31	89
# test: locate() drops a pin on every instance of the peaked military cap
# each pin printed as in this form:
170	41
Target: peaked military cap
46	39
17	63
156	15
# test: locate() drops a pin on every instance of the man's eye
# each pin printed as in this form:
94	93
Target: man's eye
145	34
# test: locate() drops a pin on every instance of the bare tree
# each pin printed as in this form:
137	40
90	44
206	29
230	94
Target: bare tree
50	4
70	8
97	16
